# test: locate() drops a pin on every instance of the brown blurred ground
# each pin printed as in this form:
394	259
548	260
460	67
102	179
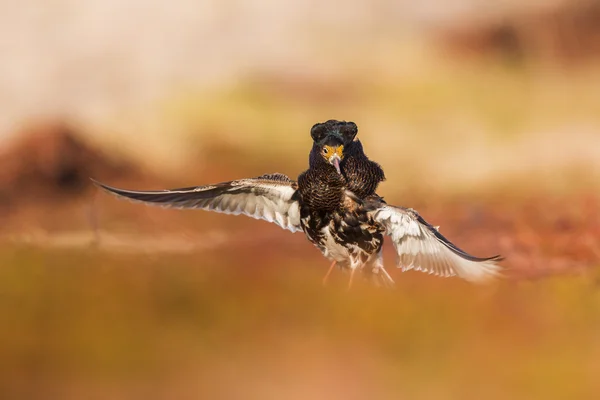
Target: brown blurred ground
567	32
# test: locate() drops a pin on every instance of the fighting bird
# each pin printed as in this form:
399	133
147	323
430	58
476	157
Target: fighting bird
334	203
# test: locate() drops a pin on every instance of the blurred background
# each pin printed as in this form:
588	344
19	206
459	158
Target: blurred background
485	117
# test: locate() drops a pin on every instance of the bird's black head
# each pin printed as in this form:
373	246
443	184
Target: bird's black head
331	138
342	130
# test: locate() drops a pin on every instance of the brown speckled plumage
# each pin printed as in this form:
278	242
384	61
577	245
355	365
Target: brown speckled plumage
334	219
363	175
320	189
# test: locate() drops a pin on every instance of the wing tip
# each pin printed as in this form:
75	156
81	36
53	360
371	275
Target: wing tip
106	188
487	271
496	258
130	195
99	184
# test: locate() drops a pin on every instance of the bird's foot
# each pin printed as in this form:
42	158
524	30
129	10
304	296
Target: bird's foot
380	277
326	277
352	270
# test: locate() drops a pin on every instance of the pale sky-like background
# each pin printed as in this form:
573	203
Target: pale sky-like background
146	76
91	60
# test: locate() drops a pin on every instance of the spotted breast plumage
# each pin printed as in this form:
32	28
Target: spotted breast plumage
336	207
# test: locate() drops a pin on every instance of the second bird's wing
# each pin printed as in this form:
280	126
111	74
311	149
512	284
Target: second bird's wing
421	247
268	197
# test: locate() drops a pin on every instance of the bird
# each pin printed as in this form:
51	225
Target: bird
361	174
348	229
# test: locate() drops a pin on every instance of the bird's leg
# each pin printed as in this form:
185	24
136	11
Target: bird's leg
352	270
389	282
379	275
326	277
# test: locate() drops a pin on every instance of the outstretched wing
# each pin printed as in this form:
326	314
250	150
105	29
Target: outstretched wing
268	197
421	247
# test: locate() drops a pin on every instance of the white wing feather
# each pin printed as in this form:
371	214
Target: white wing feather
268	197
421	247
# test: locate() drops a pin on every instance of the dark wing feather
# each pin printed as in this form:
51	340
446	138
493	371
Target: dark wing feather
421	247
267	197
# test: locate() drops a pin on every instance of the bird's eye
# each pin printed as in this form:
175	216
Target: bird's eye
325	150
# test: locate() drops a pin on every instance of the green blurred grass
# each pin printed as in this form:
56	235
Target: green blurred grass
225	325
460	125
424	96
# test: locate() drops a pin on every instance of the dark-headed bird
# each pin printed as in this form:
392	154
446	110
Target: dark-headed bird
347	228
362	175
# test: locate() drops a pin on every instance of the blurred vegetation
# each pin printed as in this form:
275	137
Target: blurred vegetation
198	327
500	100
